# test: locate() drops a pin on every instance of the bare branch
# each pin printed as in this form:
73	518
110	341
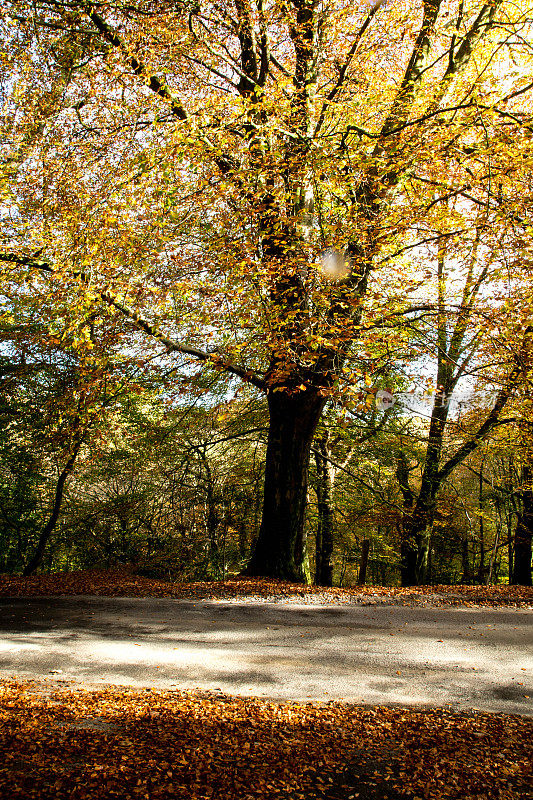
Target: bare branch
435	238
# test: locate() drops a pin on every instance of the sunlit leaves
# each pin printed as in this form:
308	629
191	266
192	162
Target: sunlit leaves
123	582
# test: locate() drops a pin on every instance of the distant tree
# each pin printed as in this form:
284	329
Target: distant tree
55	399
454	343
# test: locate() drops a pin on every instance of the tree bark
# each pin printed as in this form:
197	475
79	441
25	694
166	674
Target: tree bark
524	532
408	560
416	536
280	550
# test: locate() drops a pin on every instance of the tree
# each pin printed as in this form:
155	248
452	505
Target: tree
41	426
172	488
56	395
522	555
460	323
524	530
217	152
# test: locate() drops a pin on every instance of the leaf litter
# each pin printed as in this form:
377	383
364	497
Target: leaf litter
123	582
125	743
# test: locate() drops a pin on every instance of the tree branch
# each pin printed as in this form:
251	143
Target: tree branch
345	67
483	21
156	84
226	163
492	420
402	102
214	358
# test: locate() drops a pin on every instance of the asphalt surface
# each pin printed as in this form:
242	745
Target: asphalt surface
478	658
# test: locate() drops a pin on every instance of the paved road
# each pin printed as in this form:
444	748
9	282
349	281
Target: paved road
472	658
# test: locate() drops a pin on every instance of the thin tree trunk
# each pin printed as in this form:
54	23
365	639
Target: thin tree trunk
326	511
423	554
524	532
318	536
465	557
481	568
363	564
492	561
212	523
243	538
212	518
280	550
408	548
37	558
510	546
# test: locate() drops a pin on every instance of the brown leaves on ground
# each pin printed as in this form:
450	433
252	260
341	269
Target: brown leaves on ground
124	583
122	743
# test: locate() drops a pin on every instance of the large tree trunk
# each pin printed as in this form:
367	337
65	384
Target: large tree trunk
280	550
524	532
416	535
407	561
423	555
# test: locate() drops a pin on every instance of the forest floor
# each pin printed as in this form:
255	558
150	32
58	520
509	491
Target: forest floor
59	741
56	743
123	582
